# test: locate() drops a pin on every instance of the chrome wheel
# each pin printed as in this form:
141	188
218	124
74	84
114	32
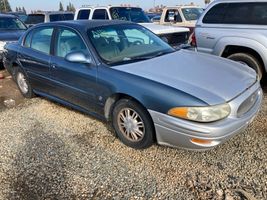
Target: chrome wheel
22	83
131	124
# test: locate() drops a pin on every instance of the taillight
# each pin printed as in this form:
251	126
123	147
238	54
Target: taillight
193	41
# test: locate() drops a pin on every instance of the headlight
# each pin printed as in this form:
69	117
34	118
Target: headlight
201	114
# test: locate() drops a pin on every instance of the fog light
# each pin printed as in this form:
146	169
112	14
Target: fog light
204	143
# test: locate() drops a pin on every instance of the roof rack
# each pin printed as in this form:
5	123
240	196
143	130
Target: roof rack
85	6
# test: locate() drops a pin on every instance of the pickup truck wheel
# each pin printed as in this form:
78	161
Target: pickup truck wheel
248	59
133	124
23	83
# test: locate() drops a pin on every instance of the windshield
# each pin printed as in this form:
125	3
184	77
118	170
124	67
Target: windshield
35	19
11	24
192	14
121	44
61	17
23	17
136	15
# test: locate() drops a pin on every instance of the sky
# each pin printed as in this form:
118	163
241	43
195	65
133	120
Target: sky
54	4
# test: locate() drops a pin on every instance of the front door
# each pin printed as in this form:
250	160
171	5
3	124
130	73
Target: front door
73	82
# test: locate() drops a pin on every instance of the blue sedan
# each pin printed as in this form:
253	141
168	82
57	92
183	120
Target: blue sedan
123	73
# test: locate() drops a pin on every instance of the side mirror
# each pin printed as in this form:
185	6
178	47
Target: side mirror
78	57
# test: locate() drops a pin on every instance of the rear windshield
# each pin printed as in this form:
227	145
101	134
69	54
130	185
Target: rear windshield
136	15
35	19
61	17
192	14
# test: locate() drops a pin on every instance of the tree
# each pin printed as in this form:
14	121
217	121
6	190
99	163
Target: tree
71	7
17	9
24	10
207	1
5	6
61	8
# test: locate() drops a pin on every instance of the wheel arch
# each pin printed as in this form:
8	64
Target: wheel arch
232	49
228	45
111	101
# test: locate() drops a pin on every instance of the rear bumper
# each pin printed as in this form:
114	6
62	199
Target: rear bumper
176	132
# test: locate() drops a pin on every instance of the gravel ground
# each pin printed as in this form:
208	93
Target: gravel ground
48	151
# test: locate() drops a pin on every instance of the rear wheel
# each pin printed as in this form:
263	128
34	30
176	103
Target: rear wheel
133	124
23	83
249	60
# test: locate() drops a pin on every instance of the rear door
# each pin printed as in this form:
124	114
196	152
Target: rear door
73	82
35	57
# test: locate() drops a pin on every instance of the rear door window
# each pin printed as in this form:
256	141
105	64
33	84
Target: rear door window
84	14
246	13
41	40
100	14
237	13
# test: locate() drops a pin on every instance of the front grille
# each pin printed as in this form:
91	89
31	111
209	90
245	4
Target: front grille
247	104
175	39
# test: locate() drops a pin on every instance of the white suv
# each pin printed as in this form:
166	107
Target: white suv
235	29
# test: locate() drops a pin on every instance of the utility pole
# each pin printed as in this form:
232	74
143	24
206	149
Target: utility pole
154	3
4	4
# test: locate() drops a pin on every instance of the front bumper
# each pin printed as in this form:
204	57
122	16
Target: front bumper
175	132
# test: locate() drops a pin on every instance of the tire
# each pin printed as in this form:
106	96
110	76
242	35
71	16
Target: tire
140	133
23	83
248	59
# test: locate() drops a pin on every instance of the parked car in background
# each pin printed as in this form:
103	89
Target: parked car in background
153	16
21	15
173	35
182	16
235	29
11	28
49	16
156	18
122	72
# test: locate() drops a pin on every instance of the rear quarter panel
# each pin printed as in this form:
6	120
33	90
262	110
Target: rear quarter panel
10	56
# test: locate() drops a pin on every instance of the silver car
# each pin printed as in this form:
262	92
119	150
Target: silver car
235	29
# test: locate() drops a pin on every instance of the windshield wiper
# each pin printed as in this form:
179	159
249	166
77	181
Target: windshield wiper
161	53
138	58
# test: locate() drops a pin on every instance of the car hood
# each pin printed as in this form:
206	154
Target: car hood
212	79
160	29
11	35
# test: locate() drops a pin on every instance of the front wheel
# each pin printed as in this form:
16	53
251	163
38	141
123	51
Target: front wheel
249	60
23	83
133	124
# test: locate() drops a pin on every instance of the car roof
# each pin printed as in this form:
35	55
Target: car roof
86	24
51	12
181	6
106	7
7	15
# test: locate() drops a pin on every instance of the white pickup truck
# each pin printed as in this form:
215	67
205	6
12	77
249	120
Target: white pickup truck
175	36
182	16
